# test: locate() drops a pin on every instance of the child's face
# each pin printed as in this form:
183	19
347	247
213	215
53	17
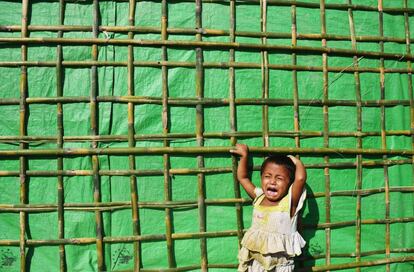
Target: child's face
275	182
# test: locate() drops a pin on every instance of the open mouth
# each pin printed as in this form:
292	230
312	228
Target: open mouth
271	191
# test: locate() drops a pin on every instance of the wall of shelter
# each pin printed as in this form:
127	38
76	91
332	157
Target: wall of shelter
117	118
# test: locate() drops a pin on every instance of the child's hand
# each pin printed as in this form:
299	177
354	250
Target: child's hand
293	159
241	150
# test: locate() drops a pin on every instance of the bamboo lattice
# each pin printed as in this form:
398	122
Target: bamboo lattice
323	157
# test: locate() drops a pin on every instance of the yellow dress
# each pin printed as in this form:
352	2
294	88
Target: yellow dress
272	241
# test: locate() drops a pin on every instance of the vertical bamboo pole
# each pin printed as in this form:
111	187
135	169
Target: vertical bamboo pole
233	119
410	79
131	139
295	78
94	144
165	125
24	180
199	135
296	118
359	139
383	135
325	134
265	73
60	133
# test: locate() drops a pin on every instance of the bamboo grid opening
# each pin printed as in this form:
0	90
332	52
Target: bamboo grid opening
119	159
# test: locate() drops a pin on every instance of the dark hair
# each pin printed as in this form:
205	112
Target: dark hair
283	161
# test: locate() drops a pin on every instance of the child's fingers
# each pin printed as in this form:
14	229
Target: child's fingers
293	158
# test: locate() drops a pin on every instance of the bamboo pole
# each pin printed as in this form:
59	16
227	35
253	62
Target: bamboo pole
199	81
208	101
112	206
233	121
296	123
359	162
206	45
335	6
94	130
38	140
189	171
23	146
326	137
131	141
165	124
220	65
204	31
73	152
352	254
265	74
59	142
410	81
363	264
383	137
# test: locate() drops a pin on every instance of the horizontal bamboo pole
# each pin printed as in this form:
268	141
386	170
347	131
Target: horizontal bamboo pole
335	6
332	225
206	45
354	254
73	152
191	171
176	269
111	206
363	264
203	31
207	101
38	140
219	65
366	192
124	239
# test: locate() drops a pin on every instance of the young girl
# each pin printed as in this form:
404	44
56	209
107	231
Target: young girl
272	241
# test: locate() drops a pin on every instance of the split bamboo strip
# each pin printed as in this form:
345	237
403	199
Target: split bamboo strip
265	74
233	120
59	142
165	124
94	130
326	137
221	65
207	46
73	152
24	114
204	31
136	230
383	137
359	139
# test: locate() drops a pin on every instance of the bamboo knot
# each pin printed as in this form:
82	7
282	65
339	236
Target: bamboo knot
200	30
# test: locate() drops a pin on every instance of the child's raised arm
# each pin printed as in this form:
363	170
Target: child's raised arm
298	184
242	170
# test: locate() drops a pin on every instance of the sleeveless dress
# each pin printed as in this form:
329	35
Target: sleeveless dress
272	241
